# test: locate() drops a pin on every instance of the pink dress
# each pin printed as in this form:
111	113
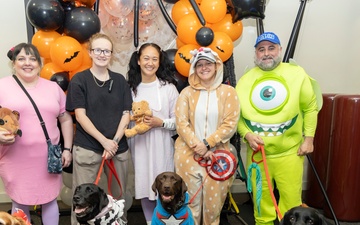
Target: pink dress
23	165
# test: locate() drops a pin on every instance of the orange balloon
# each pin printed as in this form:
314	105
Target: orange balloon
87	3
87	61
234	30
46	60
182	59
222	45
43	40
187	28
180	9
213	10
67	53
49	69
179	43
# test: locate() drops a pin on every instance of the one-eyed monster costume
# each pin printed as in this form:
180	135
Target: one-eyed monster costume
281	106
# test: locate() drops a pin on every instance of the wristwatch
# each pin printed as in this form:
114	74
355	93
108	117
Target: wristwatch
206	144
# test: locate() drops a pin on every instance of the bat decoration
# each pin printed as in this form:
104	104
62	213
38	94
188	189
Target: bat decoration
71	57
184	58
218	48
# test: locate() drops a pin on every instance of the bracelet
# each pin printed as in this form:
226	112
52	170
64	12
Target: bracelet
68	149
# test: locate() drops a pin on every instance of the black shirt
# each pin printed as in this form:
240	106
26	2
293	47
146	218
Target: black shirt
104	106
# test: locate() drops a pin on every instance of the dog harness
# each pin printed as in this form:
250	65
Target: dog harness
183	216
111	214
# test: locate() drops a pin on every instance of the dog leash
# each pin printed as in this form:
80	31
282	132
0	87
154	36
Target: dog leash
110	164
258	178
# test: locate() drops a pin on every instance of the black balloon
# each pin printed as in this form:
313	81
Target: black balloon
67	5
170	53
182	81
204	36
47	15
171	1
62	79
242	9
81	23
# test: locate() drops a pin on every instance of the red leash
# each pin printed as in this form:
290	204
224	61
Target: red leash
110	164
261	148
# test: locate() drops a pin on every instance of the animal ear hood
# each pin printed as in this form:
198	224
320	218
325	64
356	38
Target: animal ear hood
210	55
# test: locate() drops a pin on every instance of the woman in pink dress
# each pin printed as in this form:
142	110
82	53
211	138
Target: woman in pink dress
23	160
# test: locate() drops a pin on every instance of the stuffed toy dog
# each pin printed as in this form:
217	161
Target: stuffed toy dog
17	218
9	121
139	111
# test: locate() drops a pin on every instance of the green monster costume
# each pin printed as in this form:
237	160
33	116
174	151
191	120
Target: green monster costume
281	106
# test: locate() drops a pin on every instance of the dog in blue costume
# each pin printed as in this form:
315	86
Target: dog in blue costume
172	202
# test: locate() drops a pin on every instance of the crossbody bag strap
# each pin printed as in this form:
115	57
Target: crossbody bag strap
42	123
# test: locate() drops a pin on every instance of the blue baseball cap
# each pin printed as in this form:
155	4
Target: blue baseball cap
268	36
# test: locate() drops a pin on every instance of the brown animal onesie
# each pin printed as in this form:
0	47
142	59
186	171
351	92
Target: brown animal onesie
205	114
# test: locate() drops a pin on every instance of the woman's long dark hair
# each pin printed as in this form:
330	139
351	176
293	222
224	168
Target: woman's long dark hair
164	73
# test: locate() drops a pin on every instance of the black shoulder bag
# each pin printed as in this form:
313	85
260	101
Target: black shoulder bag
54	151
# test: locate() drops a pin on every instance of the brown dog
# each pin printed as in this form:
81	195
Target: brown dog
303	215
7	219
172	200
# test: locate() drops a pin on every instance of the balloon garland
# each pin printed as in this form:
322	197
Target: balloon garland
64	27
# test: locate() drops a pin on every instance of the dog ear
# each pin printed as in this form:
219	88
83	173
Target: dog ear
183	186
321	218
285	218
104	200
153	187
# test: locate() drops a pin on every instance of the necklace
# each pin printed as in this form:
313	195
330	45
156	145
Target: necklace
97	84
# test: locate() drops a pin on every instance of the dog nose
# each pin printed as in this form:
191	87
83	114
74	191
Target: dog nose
166	187
76	198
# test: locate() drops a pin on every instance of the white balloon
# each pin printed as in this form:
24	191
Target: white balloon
67	179
148	9
66	195
121	29
118	7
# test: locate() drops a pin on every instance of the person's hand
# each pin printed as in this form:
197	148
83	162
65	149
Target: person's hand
254	140
110	146
107	155
66	158
307	146
209	155
6	137
153	121
199	148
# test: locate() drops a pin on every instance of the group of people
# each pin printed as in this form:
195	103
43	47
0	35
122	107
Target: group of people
204	115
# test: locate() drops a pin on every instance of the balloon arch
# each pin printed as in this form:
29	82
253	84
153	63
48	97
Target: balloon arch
63	27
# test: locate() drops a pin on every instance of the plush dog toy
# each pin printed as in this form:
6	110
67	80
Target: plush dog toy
17	218
9	121
139	111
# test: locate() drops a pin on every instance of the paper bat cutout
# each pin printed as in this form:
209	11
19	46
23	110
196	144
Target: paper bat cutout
71	57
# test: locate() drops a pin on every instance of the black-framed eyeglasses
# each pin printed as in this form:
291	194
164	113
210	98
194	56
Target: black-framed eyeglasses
98	51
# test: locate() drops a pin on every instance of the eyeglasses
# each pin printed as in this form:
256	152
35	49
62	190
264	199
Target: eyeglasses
206	64
98	51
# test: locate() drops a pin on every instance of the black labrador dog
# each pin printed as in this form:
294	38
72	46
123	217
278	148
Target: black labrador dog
93	206
303	216
172	199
